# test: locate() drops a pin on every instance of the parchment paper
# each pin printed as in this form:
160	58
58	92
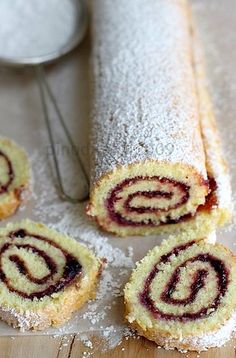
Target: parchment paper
21	119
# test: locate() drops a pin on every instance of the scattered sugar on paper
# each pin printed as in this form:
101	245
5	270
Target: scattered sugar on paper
71	219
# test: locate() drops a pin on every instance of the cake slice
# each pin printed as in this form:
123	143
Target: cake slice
183	295
45	276
14	177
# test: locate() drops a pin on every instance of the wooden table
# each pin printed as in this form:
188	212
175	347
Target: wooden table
71	347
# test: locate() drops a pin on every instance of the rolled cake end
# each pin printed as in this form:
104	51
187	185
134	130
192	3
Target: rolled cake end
141	197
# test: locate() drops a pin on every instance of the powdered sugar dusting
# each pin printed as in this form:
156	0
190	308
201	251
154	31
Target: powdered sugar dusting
215	163
144	91
23	321
71	219
217	31
212	339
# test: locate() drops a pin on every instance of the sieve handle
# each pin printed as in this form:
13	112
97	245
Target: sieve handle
44	89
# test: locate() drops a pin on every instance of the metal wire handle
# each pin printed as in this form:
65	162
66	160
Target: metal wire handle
44	87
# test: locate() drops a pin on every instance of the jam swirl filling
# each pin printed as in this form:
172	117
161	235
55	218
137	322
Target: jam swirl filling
123	203
4	186
72	267
197	284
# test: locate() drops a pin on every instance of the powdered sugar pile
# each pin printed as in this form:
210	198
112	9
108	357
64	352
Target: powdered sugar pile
48	26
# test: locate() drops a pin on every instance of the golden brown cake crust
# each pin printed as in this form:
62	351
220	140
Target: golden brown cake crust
15	194
10	206
169	342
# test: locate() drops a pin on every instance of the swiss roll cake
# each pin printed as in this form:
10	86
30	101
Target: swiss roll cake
14	177
183	295
45	276
156	158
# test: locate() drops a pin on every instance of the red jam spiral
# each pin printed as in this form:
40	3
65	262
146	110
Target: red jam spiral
197	284
173	186
129	208
10	173
72	267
